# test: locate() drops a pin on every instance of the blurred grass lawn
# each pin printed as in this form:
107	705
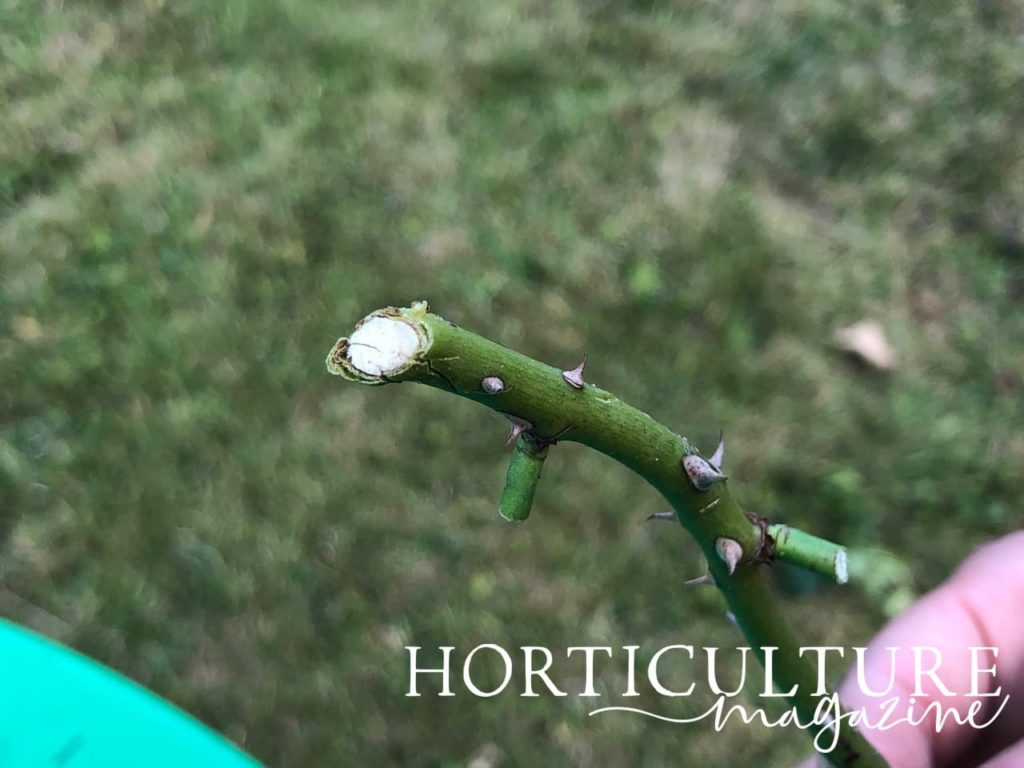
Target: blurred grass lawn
197	199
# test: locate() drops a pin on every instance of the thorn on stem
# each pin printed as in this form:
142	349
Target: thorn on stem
730	551
702	474
662	516
717	459
518	427
574	378
492	385
707	578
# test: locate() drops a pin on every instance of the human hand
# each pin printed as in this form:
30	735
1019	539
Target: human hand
981	605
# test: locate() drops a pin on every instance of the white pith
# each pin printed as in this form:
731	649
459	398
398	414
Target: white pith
382	346
842	567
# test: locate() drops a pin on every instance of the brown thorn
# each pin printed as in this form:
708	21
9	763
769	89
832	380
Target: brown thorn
559	436
717	459
574	378
702	474
518	427
730	551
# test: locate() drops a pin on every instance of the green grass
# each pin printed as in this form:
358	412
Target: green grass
197	198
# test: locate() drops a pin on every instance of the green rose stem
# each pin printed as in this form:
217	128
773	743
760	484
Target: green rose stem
546	405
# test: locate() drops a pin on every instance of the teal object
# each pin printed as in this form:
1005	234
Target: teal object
61	709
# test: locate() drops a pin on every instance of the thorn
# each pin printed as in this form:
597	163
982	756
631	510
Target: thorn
574	378
702	475
492	385
518	427
707	578
730	551
718	457
732	618
662	516
708	507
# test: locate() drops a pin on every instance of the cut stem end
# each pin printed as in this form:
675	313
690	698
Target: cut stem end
383	345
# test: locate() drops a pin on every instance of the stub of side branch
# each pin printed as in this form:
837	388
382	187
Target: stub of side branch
807	551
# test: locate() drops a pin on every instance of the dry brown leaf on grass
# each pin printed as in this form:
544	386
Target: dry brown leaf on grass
867	340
